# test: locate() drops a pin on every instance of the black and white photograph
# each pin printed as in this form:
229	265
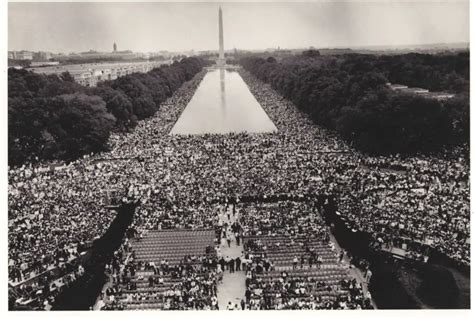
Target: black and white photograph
239	156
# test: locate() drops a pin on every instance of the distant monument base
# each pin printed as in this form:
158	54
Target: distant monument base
229	67
220	62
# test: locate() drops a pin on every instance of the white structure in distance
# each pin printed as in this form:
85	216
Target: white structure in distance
221	59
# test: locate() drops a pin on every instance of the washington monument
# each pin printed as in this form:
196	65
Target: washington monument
221	59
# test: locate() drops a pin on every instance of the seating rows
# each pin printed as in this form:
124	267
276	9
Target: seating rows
318	292
279	237
172	259
172	245
324	278
290	280
166	251
322	266
302	272
168	234
199	246
174	242
159	290
178	251
288	260
144	306
166	282
298	252
139	292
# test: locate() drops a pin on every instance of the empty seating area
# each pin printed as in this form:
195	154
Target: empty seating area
173	245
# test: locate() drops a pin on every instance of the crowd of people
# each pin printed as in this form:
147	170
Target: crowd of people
293	263
283	292
424	202
189	285
178	178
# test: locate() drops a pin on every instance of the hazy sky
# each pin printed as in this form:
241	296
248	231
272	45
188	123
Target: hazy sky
73	27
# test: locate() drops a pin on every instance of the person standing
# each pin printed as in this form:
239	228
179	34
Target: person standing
237	238
231	265
227	262
368	275
266	265
341	255
222	262
244	263
237	263
242	304
248	294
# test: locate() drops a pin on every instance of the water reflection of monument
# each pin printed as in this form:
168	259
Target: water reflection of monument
223	104
222	81
221	59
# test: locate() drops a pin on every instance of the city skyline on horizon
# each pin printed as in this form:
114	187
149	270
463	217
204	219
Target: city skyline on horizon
98	25
456	45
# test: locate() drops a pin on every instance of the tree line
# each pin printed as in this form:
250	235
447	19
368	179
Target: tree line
348	94
51	117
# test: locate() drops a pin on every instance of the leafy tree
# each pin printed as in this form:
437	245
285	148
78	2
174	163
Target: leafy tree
348	94
51	117
311	53
81	124
119	105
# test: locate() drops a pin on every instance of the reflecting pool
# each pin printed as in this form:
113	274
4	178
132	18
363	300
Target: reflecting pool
222	104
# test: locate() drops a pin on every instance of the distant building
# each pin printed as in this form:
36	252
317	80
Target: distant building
90	74
94	55
145	55
20	55
126	55
24	55
397	87
440	96
42	56
83	77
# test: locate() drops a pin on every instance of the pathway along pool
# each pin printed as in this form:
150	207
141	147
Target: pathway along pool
223	104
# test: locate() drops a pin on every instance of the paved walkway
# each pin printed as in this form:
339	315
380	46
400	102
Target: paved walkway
232	287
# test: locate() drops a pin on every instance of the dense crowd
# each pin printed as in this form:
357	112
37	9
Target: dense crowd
178	178
423	201
52	214
294	219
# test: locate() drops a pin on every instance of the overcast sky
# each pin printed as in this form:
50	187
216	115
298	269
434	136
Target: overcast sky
145	27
